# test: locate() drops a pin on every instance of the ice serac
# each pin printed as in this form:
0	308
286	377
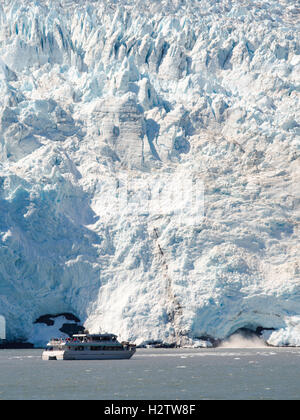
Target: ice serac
102	104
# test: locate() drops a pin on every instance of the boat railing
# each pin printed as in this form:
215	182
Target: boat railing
56	341
85	342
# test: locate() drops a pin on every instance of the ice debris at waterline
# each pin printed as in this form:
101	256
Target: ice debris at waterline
150	93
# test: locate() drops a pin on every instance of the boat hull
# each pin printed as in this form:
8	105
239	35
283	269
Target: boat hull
78	355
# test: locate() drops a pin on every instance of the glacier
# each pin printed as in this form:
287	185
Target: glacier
103	101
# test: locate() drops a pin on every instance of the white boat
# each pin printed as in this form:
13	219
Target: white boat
88	347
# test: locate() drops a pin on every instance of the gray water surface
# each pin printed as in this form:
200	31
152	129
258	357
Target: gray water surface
158	374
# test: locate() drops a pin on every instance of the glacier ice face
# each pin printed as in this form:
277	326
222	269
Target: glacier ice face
41	332
98	95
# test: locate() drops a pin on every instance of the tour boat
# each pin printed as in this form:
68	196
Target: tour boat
88	347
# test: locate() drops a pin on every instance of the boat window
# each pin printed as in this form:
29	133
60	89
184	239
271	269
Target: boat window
79	348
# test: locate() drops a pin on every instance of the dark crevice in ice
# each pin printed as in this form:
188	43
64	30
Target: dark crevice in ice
47	318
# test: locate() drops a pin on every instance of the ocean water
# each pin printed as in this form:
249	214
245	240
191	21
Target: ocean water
159	374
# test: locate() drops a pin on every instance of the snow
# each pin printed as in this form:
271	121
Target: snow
149	167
